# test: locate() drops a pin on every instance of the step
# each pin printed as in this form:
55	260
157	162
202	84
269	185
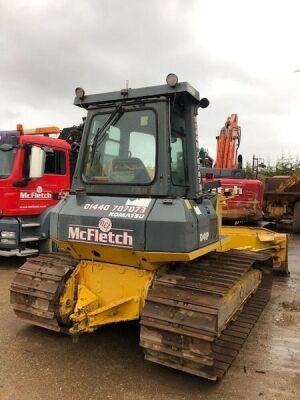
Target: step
30	239
30	224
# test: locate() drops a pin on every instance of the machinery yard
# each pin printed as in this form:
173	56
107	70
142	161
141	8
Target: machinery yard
150	225
37	363
149	253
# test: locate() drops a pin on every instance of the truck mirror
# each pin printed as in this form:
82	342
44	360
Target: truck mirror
37	162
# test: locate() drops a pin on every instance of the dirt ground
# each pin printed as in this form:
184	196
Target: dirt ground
37	364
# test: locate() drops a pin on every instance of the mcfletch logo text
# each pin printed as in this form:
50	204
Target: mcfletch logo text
35	196
104	234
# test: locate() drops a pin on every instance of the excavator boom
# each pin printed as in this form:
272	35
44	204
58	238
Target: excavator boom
228	143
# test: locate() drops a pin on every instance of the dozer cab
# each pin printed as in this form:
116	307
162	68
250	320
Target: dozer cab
141	240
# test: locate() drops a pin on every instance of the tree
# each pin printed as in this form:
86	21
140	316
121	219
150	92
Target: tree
285	165
250	174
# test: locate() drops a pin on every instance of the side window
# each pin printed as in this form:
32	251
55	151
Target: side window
177	161
55	162
177	147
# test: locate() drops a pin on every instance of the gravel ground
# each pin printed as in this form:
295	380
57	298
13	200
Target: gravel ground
108	364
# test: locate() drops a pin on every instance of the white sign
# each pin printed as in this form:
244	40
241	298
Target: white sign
138	202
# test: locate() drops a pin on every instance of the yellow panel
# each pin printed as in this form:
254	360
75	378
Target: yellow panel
107	293
232	237
115	255
160	257
139	259
257	239
112	282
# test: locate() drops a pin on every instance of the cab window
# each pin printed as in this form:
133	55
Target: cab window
55	162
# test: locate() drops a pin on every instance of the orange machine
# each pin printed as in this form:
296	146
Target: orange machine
247	194
228	143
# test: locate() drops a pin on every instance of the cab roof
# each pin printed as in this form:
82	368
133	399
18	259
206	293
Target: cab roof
139	93
45	141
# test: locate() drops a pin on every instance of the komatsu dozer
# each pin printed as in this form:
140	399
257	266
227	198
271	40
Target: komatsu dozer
140	239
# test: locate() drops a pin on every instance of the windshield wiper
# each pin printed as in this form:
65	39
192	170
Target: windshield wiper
112	119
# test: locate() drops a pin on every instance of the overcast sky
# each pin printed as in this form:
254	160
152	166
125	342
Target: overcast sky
239	54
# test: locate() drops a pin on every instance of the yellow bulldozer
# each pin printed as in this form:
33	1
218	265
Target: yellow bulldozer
140	238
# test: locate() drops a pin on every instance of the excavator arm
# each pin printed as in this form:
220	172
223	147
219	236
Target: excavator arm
228	143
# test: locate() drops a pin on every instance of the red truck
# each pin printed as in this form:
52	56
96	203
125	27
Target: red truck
246	203
28	195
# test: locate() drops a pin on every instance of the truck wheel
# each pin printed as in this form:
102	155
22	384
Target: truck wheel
47	246
296	218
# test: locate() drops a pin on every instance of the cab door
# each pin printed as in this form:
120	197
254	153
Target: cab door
41	193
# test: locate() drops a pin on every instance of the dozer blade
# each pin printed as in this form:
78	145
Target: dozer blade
37	286
197	316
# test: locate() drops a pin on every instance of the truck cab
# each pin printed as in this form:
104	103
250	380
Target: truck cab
28	195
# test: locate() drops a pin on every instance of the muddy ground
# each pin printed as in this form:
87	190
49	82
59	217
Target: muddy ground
37	364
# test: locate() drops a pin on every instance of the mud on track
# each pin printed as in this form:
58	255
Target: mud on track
38	364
